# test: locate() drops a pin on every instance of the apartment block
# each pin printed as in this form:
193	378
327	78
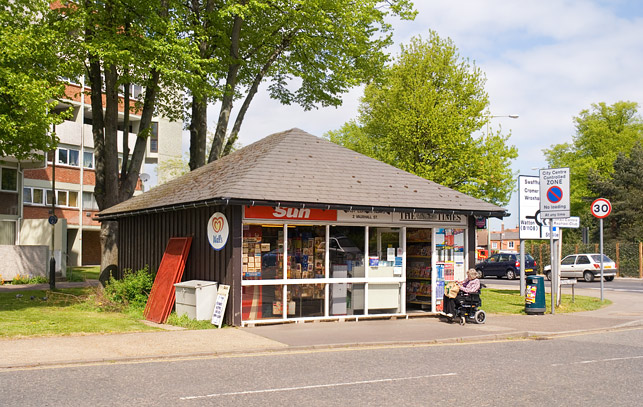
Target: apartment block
26	193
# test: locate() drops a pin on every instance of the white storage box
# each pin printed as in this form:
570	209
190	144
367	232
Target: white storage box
196	298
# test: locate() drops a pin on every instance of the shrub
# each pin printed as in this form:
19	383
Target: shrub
20	279
132	290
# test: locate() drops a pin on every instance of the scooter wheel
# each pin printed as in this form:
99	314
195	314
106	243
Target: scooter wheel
480	317
463	320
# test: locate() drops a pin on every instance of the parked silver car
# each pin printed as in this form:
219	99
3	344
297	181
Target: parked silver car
586	266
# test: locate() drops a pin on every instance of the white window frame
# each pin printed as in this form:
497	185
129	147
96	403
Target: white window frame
66	162
511	244
46	191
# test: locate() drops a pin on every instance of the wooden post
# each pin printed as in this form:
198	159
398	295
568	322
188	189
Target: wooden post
540	252
576	248
595	247
640	259
618	266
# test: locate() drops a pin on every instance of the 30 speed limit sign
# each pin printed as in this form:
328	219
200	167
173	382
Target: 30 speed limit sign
601	208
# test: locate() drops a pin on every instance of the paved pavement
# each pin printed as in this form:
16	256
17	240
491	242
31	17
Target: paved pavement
626	311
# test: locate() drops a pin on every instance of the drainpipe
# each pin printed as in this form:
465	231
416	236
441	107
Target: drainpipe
82	171
21	183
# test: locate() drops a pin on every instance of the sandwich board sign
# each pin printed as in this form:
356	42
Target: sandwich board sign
554	193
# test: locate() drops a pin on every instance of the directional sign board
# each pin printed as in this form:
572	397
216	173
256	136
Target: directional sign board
573	222
554	193
531	224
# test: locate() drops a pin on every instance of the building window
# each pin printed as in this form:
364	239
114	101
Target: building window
88	159
494	245
7	232
8	179
511	244
36	196
89	201
154	138
66	156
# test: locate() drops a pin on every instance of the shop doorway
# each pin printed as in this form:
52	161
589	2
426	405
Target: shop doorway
385	261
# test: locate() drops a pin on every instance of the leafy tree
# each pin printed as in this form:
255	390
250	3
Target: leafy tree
602	132
30	86
310	52
421	117
624	189
122	43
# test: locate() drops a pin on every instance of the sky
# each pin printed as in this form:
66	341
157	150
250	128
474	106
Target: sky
545	61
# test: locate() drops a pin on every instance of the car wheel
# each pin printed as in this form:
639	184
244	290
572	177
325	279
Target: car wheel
511	274
480	317
548	275
588	276
609	278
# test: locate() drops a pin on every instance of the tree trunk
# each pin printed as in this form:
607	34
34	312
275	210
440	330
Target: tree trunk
234	135
109	248
198	131
228	96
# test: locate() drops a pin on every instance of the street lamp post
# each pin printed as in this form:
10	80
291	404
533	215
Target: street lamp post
510	116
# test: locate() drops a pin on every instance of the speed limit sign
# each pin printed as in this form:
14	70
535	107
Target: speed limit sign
601	208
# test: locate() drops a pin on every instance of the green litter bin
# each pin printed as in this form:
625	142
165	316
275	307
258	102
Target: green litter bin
535	295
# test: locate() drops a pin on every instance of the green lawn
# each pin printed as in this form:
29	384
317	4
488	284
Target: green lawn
83	273
496	301
64	312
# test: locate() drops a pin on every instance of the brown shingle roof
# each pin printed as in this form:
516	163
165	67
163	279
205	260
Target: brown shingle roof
296	167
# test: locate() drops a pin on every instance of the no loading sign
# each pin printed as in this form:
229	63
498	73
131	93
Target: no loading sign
554	193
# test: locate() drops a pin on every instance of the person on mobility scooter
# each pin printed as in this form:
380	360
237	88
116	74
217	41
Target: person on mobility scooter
464	306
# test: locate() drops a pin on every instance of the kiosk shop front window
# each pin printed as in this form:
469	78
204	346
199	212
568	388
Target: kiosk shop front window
346	261
262	252
384	261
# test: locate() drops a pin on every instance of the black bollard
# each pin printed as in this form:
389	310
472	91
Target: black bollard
52	273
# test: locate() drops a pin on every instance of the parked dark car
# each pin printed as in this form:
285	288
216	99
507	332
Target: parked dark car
505	265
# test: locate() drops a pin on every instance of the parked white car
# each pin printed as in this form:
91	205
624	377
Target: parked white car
585	266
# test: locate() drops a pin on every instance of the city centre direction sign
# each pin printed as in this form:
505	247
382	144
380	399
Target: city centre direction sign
554	193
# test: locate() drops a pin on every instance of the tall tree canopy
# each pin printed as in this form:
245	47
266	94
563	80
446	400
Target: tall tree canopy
624	189
309	51
30	78
120	43
602	132
421	117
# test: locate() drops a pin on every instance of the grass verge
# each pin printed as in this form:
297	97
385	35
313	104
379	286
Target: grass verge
83	273
497	301
63	312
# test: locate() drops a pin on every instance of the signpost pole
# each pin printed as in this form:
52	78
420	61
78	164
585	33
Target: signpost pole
601	242
522	268
553	268
601	208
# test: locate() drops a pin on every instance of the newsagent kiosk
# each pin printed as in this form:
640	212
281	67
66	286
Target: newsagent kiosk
303	229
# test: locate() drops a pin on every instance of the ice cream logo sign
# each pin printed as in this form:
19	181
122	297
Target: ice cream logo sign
218	231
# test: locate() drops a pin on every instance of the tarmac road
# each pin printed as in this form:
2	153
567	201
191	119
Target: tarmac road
572	370
633	285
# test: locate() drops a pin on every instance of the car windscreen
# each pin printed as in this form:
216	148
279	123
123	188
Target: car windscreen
597	258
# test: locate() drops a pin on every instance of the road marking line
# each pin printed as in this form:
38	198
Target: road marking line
316	386
582	362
